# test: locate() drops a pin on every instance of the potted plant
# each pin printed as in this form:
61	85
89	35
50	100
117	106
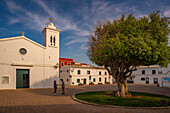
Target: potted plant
100	83
80	84
107	82
114	82
91	83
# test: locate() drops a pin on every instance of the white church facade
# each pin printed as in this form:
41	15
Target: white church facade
27	64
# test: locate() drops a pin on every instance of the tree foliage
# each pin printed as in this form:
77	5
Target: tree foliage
125	43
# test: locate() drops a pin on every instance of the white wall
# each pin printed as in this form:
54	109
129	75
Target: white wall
137	78
166	85
148	73
94	73
65	75
148	70
6	70
9	50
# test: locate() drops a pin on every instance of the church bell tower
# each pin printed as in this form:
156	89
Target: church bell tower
51	42
51	35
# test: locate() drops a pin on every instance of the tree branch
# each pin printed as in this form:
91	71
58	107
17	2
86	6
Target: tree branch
131	70
109	71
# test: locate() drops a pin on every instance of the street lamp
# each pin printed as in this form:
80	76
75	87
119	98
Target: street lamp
56	66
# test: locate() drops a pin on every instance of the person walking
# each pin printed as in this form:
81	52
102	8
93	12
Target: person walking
55	87
63	86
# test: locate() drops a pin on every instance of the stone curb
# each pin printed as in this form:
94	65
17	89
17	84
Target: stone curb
121	107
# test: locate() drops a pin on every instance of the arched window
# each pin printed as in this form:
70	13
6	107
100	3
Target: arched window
54	40
51	40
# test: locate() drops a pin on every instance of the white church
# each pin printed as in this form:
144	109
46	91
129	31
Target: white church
27	64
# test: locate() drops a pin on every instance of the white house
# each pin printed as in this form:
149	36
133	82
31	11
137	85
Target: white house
27	64
74	75
153	75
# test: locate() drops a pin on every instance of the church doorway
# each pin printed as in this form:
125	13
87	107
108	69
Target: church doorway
22	78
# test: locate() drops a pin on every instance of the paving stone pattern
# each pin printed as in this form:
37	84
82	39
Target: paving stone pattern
43	101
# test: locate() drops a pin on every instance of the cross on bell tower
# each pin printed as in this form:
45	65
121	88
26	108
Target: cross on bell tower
50	20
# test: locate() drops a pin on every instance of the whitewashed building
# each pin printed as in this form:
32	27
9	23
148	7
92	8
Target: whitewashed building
74	75
27	64
153	75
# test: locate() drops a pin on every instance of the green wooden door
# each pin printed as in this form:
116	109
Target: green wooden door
22	78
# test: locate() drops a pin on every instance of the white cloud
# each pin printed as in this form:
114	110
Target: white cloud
76	40
69	37
167	13
37	21
97	11
83	47
142	15
67	26
29	19
12	6
89	13
101	10
3	29
82	33
65	23
45	7
78	37
149	3
13	20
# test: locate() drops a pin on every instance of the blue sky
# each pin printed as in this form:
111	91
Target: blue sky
75	19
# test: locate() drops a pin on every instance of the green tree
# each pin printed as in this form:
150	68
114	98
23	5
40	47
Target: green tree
125	43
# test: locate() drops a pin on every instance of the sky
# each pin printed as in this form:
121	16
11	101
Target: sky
75	19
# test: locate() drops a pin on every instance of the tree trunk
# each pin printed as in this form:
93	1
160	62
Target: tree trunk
122	89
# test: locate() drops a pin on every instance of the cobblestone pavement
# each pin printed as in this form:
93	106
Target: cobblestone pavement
43	101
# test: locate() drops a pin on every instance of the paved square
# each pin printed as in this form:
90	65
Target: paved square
42	100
